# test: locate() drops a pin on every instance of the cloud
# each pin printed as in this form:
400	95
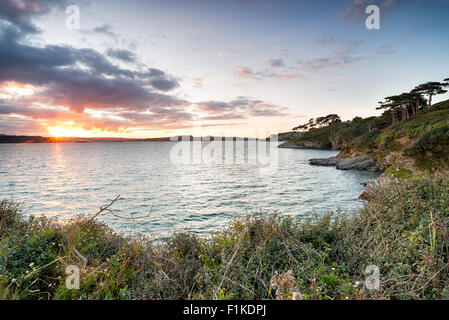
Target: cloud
104	29
326	39
239	108
342	53
249	73
276	63
121	54
20	13
80	80
84	88
327	62
245	72
99	83
33	112
348	47
213	106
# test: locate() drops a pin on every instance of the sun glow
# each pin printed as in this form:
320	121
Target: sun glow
68	130
59	132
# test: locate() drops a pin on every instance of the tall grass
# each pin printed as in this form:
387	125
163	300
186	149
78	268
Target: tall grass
403	231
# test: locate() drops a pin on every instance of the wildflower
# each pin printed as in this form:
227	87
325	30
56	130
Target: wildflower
31	264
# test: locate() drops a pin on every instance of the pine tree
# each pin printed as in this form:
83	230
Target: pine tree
431	89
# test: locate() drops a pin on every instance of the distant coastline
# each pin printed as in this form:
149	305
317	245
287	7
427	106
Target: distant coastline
40	139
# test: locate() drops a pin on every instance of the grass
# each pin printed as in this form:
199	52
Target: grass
403	230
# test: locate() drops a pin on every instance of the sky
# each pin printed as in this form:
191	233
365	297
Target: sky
144	68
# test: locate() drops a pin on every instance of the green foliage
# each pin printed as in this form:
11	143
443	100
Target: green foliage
433	137
402	230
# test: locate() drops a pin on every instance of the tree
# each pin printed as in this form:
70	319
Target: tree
306	126
430	89
311	124
320	121
332	118
392	104
416	101
327	120
301	127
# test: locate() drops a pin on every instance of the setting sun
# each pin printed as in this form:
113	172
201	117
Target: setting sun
59	132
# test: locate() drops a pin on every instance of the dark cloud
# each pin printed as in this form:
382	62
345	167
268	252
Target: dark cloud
78	79
121	54
98	84
20	13
32	112
160	80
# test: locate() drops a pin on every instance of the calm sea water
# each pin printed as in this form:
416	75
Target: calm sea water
62	180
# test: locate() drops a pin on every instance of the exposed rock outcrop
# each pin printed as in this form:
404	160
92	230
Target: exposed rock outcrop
362	163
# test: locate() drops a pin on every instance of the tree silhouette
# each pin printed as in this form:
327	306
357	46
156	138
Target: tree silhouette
392	104
328	120
301	127
320	121
431	89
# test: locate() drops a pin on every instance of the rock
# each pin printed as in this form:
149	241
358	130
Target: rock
366	195
362	163
324	161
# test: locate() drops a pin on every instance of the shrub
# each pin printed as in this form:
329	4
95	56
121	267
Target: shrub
402	230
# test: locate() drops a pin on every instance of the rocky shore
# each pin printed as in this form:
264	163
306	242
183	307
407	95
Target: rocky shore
362	163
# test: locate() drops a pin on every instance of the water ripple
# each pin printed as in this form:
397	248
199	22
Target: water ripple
61	180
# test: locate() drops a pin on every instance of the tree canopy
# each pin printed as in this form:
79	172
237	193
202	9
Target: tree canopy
320	121
430	89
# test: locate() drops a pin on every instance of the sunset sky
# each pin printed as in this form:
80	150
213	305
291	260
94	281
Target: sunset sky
144	68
